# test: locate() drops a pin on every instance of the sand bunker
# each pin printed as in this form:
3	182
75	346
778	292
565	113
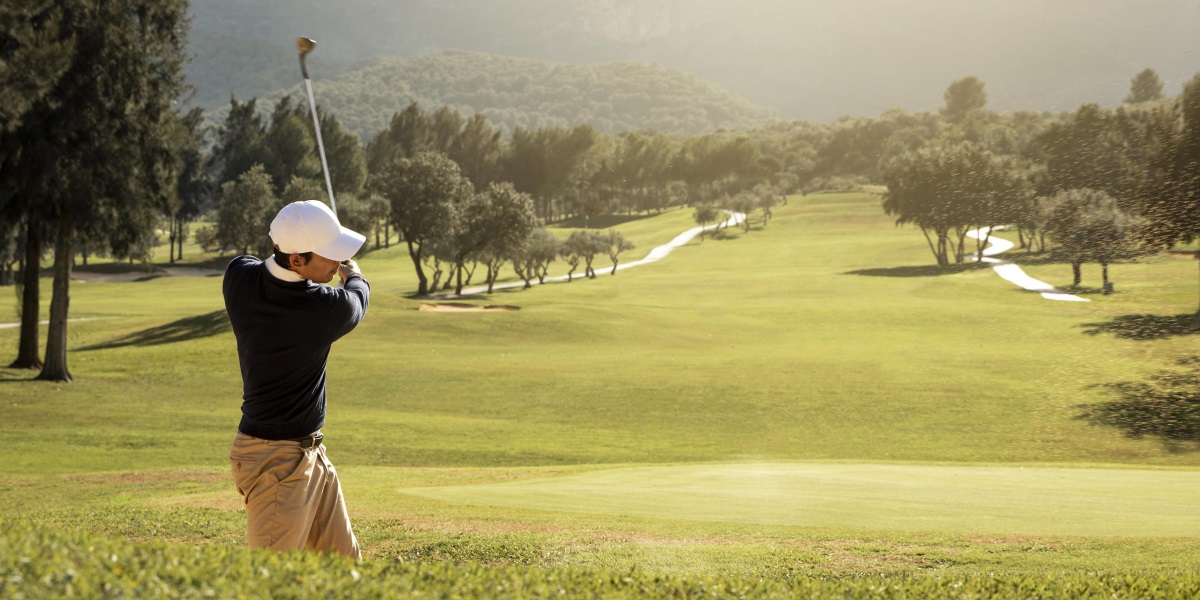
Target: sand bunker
456	307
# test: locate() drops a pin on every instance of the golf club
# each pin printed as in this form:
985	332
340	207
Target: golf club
304	46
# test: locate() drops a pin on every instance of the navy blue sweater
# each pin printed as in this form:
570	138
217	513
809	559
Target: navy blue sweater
284	330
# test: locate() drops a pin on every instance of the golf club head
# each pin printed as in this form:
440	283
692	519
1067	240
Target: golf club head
305	45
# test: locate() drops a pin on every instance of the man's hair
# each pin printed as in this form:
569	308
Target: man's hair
281	258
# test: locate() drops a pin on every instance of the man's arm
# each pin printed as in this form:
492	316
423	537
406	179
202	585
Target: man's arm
352	298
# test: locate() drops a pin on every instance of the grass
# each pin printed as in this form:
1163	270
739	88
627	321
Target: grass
821	345
917	498
51	563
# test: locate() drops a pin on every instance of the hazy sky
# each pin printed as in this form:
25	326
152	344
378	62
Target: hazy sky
810	59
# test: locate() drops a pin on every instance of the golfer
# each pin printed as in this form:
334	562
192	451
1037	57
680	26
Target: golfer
285	322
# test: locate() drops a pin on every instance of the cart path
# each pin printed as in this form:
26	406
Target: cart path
14	325
1013	273
655	255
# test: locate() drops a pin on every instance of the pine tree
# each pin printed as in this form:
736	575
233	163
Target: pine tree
94	152
1145	87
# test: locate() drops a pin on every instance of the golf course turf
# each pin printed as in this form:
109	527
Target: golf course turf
811	397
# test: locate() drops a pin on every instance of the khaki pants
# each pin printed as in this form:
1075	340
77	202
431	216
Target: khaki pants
293	498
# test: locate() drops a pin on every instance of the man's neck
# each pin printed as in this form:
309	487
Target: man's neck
281	273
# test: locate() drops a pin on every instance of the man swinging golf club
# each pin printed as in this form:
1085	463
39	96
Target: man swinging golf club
285	323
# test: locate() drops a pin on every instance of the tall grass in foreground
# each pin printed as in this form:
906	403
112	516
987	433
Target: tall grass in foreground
51	563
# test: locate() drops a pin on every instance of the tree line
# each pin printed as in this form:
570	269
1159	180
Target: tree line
96	157
1101	184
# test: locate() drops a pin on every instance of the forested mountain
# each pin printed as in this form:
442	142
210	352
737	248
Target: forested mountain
513	92
808	60
222	65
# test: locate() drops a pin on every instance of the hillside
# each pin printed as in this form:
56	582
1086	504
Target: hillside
222	65
512	92
808	60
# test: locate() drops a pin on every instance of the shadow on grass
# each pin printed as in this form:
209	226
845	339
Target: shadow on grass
1166	407
1147	327
720	235
215	263
108	268
1029	259
137	273
921	270
187	328
1083	290
17	375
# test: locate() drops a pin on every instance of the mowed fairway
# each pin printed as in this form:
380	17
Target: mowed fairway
813	373
916	498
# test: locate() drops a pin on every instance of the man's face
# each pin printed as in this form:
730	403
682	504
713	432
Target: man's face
318	268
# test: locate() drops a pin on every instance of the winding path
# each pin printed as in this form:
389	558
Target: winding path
1011	272
655	255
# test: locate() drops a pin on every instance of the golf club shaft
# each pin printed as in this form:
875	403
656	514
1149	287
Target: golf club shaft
312	107
320	144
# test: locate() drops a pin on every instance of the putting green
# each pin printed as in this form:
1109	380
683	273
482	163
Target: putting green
961	499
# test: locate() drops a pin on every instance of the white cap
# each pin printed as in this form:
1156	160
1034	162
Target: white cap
310	226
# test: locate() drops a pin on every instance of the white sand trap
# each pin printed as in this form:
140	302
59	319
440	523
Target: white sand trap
452	307
1013	273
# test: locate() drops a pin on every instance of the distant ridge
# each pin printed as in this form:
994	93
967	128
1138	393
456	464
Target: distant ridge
514	92
815	61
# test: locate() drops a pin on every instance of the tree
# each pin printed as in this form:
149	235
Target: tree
289	147
9	234
571	252
1145	87
300	189
494	222
534	256
964	97
584	245
719	163
476	148
35	53
1171	200
1089	227
767	197
113	100
639	170
28	251
705	214
245	211
945	190
407	135
354	213
546	163
379	209
423	191
744	203
1087	150
32	57
193	185
239	140
615	244
345	154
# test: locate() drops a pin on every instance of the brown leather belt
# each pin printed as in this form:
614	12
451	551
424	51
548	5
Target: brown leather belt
311	441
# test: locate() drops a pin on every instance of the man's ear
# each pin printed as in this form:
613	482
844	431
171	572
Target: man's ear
296	260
